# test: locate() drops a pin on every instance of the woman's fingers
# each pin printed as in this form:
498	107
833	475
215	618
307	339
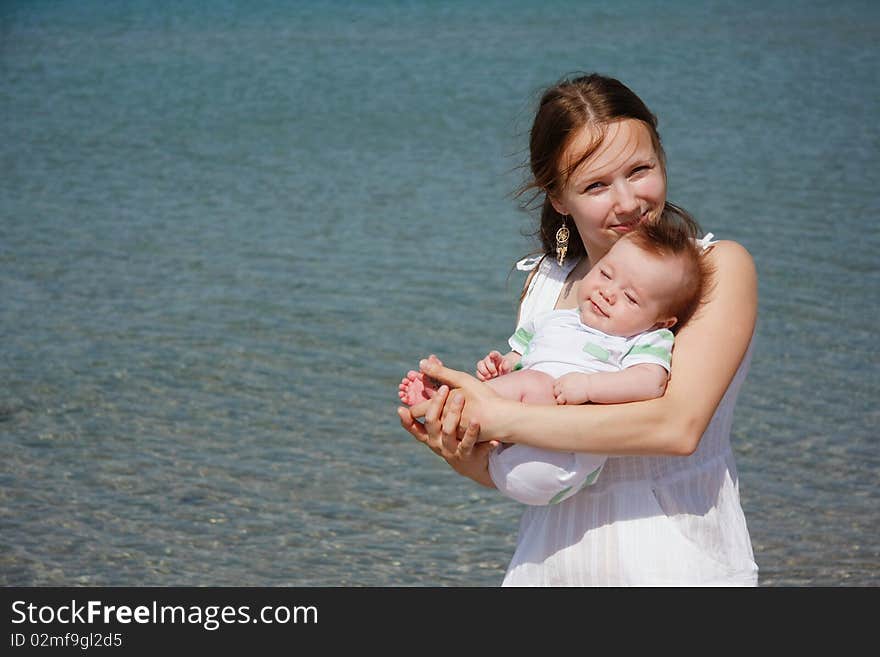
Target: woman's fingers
428	433
466	446
452	378
432	417
449	425
419	410
408	422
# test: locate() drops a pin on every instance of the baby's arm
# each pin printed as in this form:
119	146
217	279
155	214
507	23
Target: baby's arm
494	364
635	383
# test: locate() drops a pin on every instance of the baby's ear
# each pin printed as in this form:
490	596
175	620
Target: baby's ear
666	323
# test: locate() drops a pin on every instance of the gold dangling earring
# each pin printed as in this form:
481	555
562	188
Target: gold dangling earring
561	242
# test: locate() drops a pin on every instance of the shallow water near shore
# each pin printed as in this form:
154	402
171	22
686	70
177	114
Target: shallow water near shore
227	230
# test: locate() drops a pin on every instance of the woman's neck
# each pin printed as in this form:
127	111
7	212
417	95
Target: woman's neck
568	295
594	252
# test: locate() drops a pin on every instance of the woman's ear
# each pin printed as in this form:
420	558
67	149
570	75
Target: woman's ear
558	205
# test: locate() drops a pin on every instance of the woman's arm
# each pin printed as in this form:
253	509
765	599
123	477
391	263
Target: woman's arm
708	352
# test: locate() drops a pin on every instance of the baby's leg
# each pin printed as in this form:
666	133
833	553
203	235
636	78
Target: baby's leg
528	386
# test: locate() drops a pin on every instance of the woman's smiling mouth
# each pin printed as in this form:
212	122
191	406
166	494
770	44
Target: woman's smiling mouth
626	227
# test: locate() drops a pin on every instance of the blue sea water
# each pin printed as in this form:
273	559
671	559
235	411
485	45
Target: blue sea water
227	229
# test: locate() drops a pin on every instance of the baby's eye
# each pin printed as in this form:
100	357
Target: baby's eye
604	273
631	298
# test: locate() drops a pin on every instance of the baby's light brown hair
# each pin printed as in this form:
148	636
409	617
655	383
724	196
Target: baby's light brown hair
674	233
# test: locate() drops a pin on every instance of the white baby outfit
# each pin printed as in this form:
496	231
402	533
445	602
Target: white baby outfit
647	520
558	343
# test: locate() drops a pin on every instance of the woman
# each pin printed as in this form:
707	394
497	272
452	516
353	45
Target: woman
665	510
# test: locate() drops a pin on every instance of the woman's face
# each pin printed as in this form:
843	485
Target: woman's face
620	185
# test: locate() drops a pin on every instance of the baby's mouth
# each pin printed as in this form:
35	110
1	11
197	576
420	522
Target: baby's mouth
597	309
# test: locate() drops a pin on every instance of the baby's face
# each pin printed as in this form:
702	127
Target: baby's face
626	291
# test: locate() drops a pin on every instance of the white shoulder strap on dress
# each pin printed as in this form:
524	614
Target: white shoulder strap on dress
529	263
707	241
544	287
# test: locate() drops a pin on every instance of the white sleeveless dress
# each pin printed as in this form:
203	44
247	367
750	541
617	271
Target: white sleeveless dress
646	521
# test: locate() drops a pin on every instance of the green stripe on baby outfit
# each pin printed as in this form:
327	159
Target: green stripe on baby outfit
589	480
523	337
592	477
666	334
595	350
558	497
662	353
520	340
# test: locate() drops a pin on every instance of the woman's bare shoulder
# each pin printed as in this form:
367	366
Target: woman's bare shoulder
733	268
731	300
727	254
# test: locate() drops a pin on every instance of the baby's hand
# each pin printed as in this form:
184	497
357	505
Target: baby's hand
573	388
492	366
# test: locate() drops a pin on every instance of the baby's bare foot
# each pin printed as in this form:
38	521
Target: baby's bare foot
415	388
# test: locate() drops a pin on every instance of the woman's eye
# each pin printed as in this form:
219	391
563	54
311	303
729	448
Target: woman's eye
640	169
594	187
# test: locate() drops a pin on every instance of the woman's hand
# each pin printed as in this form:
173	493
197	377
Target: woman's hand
441	433
470	401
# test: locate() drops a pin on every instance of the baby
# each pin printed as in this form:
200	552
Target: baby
616	346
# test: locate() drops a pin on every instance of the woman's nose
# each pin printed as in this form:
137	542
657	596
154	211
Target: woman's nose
625	202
